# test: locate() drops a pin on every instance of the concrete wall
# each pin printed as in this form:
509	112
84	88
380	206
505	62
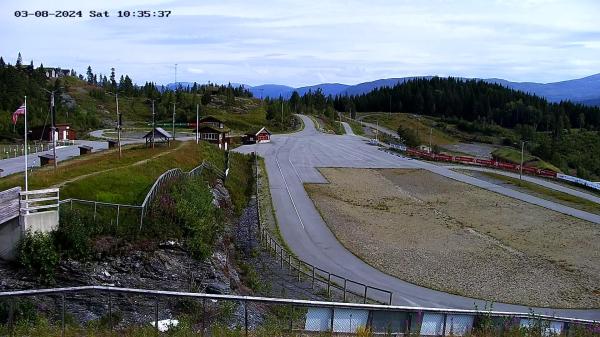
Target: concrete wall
13	230
10	234
40	222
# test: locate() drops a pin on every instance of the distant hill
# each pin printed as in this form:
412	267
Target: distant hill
584	90
577	90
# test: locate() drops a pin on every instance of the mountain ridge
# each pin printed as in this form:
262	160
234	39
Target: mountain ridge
585	90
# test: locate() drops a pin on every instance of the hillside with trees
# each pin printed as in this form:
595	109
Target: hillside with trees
87	101
565	134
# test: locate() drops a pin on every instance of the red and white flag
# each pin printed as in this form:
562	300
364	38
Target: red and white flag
19	111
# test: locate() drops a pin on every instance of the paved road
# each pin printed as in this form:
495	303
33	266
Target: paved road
535	180
292	160
348	129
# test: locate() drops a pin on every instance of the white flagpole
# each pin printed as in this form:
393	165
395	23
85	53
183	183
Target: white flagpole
26	182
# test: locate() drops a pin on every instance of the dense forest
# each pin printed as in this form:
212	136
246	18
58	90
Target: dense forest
474	100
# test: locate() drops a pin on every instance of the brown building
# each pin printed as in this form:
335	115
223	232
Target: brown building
63	132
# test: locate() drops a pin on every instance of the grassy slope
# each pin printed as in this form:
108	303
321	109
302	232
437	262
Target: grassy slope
422	125
104	177
550	194
514	156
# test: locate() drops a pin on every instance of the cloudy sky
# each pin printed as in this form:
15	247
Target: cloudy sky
308	42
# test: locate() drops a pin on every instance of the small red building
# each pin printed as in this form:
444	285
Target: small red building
63	132
261	136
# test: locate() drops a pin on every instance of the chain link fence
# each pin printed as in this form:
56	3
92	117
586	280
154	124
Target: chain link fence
99	309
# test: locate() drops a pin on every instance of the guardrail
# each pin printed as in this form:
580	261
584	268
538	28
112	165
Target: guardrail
316	274
300	316
39	200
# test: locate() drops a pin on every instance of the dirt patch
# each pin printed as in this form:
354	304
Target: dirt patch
447	235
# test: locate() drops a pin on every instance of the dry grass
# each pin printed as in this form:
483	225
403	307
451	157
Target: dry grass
454	237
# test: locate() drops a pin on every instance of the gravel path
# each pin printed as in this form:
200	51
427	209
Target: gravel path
411	224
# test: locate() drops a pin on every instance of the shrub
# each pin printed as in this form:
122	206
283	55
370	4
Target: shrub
72	237
195	212
37	253
410	136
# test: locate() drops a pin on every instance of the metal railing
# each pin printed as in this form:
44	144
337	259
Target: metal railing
135	213
315	274
298	318
39	200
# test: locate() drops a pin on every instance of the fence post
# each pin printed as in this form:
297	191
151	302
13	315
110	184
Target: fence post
391	295
291	318
290	262
203	317
110	322
71	202
11	314
280	257
246	317
345	287
444	326
156	314
313	277
141	218
62	316
95	207
365	294
118	211
328	284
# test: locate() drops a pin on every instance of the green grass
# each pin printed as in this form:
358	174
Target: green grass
514	156
421	124
550	194
357	128
104	177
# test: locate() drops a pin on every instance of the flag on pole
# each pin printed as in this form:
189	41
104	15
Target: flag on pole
19	111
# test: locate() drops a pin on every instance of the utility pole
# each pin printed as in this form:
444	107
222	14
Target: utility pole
174	101
153	125
197	120
390	105
119	121
521	166
430	132
377	132
282	114
53	118
173	120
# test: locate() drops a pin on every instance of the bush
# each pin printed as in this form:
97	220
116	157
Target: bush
72	237
37	253
409	135
199	218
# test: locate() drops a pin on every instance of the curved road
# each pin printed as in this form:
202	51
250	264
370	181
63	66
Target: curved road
292	160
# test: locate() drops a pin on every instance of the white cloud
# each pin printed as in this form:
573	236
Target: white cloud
300	42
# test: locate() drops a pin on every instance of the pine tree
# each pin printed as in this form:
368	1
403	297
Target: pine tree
19	61
90	75
2	64
113	83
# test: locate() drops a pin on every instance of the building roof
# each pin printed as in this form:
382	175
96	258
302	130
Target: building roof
87	147
256	132
209	119
47	156
160	132
212	128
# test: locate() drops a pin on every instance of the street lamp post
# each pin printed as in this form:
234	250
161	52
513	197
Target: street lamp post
521	166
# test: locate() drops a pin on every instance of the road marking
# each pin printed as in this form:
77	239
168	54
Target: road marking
287	187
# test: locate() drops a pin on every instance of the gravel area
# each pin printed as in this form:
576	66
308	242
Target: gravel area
447	235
